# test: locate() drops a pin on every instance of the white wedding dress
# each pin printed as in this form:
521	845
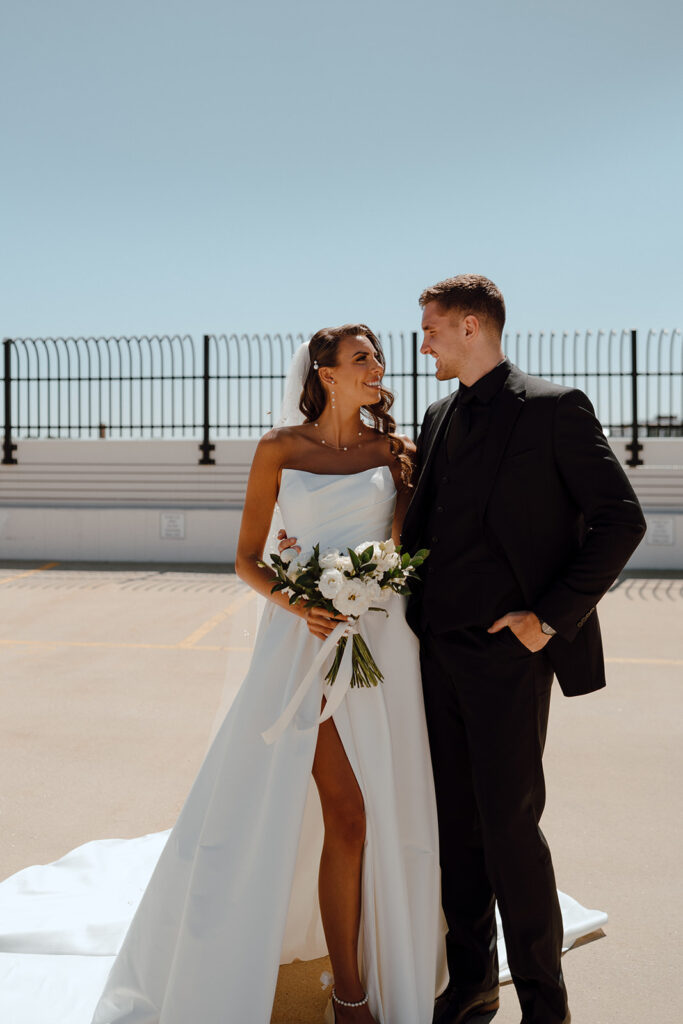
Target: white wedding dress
233	888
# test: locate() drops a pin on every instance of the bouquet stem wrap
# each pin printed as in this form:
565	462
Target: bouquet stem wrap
337	693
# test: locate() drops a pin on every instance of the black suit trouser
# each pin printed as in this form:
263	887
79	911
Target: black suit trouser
487	700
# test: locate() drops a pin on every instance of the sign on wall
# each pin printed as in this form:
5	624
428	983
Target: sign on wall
172	525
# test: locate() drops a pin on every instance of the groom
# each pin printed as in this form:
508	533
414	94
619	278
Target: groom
529	519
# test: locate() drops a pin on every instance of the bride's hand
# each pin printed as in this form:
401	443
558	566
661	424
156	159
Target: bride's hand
287	542
321	622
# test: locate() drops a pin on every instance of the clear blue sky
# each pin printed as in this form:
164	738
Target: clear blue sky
215	166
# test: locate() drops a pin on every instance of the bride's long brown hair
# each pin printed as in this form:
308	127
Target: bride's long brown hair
323	351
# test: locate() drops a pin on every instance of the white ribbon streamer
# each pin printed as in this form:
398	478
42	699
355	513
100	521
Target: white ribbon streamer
337	692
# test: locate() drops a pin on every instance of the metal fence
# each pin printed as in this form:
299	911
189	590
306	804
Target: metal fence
229	385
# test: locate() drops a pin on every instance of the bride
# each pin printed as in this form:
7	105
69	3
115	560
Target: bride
231	896
322	840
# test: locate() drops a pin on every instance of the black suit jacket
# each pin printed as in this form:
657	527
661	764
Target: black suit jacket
554	498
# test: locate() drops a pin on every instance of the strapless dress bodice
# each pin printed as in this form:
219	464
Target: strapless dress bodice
335	509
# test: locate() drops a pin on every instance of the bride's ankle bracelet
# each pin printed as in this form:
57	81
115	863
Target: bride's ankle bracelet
343	1002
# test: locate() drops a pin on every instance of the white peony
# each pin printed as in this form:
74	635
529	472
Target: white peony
329	558
352	599
330	583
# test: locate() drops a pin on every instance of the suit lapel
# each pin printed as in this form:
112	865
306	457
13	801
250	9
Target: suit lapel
508	408
436	436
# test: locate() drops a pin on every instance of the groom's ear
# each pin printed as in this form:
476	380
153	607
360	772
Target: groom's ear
471	326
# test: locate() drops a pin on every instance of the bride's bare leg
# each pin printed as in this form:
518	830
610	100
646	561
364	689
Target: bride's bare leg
339	884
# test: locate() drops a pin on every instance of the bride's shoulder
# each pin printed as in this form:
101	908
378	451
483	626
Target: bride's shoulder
280	442
287	435
409	445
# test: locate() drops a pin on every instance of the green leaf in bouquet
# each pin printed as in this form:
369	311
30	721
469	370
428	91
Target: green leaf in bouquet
405	560
367	554
355	560
316	568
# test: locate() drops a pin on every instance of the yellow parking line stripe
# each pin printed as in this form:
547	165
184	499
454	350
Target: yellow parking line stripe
206	627
29	572
114	645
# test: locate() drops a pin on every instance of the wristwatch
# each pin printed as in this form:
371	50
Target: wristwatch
547	629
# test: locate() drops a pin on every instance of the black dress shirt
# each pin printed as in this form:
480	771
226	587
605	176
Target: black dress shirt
468	581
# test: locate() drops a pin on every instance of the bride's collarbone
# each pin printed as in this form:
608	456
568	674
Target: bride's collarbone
327	460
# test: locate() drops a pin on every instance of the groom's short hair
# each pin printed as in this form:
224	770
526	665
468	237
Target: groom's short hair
468	293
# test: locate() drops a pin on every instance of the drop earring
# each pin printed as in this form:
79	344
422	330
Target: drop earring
332	394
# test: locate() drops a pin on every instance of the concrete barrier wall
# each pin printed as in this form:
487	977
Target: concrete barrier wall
105	500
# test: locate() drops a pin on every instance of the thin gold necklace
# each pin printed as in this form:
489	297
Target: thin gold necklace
336	447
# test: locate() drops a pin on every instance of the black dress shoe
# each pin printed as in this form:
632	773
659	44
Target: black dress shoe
454	1007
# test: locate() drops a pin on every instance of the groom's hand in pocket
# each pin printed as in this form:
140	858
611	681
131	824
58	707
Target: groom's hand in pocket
526	627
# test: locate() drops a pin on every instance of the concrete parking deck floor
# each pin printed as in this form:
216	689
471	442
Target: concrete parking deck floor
113	677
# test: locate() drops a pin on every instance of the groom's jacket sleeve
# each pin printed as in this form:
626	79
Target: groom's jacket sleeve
613	520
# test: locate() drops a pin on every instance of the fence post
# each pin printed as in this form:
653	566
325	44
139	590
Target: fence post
8	448
635	447
206	447
415	423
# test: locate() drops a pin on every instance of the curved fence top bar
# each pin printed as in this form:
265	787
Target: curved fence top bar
229	385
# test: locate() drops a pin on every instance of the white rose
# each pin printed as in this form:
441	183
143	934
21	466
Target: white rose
345	564
363	547
287	555
330	583
298	564
351	599
329	559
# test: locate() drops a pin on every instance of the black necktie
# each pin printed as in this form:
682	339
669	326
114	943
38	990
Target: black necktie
459	426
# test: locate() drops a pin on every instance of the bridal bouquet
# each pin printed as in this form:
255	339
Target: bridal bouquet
349	584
